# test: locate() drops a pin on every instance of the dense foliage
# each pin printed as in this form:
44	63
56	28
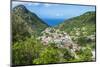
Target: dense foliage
27	49
32	51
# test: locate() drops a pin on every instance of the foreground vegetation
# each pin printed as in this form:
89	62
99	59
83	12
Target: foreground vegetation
32	51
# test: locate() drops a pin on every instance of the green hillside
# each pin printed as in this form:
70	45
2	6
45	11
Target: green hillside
24	23
82	28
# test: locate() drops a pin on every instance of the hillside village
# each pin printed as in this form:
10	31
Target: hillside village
62	40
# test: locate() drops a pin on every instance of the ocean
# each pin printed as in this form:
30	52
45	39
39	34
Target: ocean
53	22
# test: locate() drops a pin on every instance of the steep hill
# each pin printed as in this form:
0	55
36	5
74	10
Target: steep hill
82	29
87	21
24	22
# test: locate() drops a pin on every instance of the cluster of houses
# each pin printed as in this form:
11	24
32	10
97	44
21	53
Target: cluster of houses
60	38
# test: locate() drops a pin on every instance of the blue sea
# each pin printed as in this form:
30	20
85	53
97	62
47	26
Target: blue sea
53	22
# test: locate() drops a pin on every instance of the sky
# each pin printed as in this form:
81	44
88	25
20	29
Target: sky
54	14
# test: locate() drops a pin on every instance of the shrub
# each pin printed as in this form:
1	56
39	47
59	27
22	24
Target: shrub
24	51
85	54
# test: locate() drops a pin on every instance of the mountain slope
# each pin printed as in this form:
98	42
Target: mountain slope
24	22
87	20
82	29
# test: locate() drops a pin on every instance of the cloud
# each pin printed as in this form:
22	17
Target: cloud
36	4
18	3
47	5
32	4
24	3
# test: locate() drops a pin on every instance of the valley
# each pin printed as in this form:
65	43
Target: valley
36	42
